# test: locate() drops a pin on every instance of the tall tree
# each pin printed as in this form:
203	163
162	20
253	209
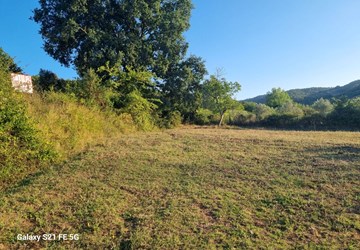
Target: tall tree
217	95
141	34
277	97
182	87
323	107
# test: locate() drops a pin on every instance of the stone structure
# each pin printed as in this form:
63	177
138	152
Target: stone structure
22	83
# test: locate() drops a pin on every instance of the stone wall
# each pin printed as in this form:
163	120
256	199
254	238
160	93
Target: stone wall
22	83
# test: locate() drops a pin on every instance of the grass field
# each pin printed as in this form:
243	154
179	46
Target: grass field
195	188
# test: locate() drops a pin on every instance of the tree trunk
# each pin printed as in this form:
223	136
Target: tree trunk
222	118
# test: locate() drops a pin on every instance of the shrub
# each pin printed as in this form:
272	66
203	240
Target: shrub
323	107
172	119
72	126
141	111
244	118
263	111
203	116
22	149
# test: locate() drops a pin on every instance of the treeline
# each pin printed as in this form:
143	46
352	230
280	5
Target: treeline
131	57
135	93
280	111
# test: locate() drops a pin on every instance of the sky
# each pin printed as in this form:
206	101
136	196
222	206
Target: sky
259	43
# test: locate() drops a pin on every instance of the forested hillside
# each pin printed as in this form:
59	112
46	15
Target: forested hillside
310	95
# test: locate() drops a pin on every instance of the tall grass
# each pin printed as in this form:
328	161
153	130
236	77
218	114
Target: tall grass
70	126
22	149
36	130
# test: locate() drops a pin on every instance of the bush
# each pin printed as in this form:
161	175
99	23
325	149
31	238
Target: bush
72	126
22	149
171	120
323	107
141	111
244	118
263	111
203	116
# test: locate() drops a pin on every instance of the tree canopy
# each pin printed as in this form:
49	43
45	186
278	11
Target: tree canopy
142	34
182	87
7	62
217	95
277	97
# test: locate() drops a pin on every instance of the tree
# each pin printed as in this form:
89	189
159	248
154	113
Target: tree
346	113
277	97
217	95
7	62
291	109
323	107
142	34
48	80
182	87
263	111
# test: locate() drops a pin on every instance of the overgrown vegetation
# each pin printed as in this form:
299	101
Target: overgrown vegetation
337	114
22	148
71	126
281	112
62	119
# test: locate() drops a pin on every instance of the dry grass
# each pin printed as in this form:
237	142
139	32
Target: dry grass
196	188
72	127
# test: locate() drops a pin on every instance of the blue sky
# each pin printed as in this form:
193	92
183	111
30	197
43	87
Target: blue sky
259	43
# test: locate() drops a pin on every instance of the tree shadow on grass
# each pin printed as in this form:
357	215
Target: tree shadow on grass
14	187
347	153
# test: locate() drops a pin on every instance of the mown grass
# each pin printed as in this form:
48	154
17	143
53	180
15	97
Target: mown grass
196	188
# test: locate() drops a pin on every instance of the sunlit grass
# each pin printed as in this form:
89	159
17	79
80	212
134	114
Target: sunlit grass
196	188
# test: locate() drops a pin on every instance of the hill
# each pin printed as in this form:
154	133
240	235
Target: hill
309	95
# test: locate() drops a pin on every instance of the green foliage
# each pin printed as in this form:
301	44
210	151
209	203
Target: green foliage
141	110
141	34
277	97
323	107
132	45
242	118
181	88
322	114
123	83
21	147
135	94
72	126
291	109
48	80
92	92
171	120
263	111
217	95
7	63
203	116
346	113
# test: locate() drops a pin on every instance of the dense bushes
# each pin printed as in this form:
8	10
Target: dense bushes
286	114
323	114
22	149
72	126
